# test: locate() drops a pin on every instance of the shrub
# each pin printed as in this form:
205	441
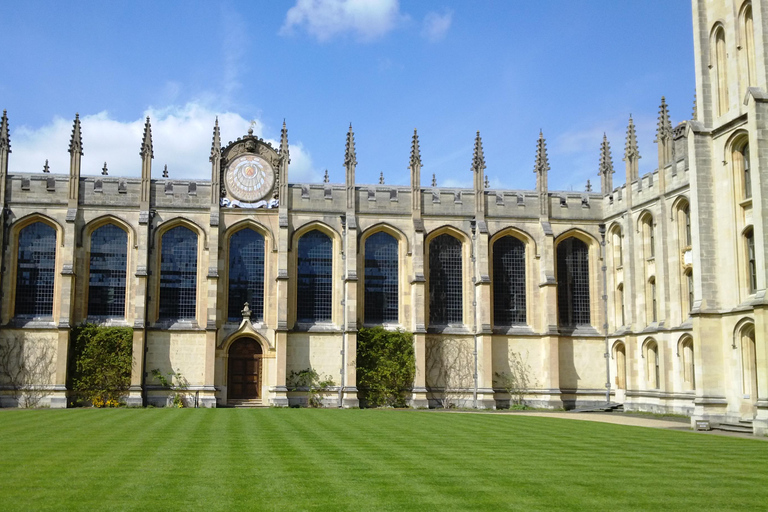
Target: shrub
386	366
100	364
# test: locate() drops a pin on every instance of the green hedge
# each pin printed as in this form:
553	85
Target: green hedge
100	364
386	367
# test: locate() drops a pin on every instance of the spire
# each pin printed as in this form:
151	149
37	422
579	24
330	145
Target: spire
350	156
415	150
542	160
434	180
5	139
284	140
146	142
381	178
76	141
605	170
104	170
326	179
664	125
631	152
46	169
216	144
478	158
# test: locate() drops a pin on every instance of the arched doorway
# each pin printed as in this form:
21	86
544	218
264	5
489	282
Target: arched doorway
244	370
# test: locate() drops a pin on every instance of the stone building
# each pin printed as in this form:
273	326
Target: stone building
650	294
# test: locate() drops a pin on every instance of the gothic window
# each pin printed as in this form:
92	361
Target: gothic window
751	263
721	79
686	211
445	281
748	362
573	282
107	272
509	281
36	270
686	354
178	274
620	305
314	291
748	43
618	251
381	279
689	289
652	373
652	299
746	171
649	236
246	274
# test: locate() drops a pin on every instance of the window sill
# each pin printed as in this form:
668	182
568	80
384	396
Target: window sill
316	327
33	322
519	329
176	325
107	321
448	329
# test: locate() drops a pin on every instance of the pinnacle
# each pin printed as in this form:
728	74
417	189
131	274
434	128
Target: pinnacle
478	158
76	141
326	179
146	143
664	125
434	180
104	170
216	144
381	178
350	156
631	149
606	161
5	139
415	150
542	160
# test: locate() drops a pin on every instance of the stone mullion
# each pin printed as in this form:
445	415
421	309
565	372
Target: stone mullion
418	317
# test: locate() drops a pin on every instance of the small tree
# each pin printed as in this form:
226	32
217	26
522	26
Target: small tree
100	364
450	366
27	367
386	366
517	381
310	380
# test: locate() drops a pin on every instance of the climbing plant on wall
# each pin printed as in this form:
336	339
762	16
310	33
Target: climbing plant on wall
386	367
100	364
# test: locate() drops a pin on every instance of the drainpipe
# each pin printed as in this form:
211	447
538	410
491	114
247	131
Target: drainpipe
607	354
343	308
473	224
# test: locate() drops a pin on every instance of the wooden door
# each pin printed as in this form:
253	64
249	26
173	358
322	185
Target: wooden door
244	375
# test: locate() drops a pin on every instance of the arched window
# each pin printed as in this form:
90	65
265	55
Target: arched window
751	263
720	71
509	281
573	282
747	171
36	270
686	211
445	281
178	274
618	250
314	299
620	355
652	373
688	279
686	354
381	279
649	236
748	43
108	268
246	274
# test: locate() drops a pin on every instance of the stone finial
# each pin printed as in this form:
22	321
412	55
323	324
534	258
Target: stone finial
415	150
487	183
350	156
434	180
664	125
146	143
216	144
542	160
165	171
284	140
104	170
630	149
46	169
605	171
588	188
478	158
5	138
326	179
695	107
381	178
246	311
76	141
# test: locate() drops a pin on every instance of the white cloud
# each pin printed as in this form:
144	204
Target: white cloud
436	25
181	137
325	19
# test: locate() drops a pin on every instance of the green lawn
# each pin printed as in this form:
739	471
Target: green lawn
303	459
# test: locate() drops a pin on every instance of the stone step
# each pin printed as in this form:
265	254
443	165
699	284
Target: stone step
245	403
742	427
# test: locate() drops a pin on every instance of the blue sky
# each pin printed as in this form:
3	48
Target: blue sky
574	69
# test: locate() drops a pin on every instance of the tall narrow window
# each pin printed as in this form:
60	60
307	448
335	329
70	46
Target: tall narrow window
509	281
178	274
652	291
720	72
108	267
315	278
689	283
36	270
620	304
748	35
687	225
381	279
749	362
573	282
747	174
620	355
751	263
445	281
651	239
246	274
618	250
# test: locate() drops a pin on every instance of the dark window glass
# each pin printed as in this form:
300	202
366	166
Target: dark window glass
653	301
688	237
445	281
246	274
315	278
751	265
573	282
508	281
178	274
108	266
689	280
36	270
747	172
381	279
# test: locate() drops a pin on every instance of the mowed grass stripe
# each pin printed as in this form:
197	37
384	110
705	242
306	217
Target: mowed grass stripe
290	459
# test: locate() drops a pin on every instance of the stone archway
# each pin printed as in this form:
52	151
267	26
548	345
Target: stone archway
244	370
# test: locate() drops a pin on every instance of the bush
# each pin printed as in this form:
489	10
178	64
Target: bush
100	364
386	366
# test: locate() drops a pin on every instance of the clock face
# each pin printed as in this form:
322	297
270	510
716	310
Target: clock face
249	178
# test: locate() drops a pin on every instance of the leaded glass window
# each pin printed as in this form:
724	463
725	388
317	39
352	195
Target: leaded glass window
508	281
445	281
108	266
314	290
178	274
573	282
381	279
36	270
246	274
